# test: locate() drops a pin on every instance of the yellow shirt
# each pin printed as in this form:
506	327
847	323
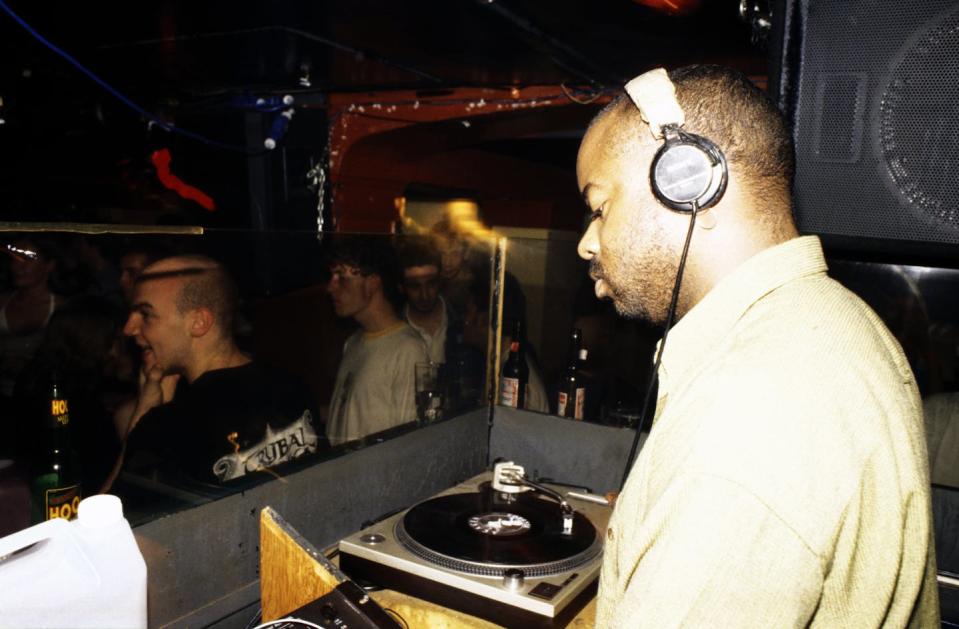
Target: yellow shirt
784	482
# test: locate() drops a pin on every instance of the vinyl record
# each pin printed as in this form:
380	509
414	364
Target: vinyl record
483	529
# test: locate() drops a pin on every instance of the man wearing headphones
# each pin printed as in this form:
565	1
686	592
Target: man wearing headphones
784	482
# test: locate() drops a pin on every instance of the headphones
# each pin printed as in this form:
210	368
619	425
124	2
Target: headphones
689	171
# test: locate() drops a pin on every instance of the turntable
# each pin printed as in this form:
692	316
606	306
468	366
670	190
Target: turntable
498	546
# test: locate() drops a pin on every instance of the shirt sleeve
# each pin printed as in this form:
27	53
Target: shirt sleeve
709	554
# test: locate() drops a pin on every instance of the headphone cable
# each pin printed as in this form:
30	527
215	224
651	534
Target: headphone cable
670	315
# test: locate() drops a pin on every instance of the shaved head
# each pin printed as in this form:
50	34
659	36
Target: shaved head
205	284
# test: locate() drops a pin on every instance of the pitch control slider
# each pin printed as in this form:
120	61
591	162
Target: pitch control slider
586	497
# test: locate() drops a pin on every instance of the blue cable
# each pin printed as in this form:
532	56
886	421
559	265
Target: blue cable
129	103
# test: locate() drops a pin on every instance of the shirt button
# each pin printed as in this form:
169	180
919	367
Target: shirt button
609	533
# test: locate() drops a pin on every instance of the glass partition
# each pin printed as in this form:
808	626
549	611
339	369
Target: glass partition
202	391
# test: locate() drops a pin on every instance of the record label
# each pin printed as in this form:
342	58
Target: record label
499	524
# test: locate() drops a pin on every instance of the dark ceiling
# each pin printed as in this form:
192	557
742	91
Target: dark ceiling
202	47
188	61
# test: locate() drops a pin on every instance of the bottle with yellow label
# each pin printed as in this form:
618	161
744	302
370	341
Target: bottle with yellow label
55	490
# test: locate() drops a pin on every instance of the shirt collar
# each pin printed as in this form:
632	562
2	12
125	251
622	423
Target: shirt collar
399	325
444	321
713	317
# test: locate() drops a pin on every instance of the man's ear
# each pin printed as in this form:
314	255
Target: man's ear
374	284
201	322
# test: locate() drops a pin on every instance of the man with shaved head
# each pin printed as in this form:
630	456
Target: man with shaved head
203	405
784	482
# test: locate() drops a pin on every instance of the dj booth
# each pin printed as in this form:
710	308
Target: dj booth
203	562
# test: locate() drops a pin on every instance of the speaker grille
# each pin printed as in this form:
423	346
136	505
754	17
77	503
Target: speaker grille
919	129
877	129
840	99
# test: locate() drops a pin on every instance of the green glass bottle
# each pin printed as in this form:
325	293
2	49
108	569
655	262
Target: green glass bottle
55	489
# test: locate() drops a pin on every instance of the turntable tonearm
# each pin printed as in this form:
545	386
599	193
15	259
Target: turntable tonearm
498	546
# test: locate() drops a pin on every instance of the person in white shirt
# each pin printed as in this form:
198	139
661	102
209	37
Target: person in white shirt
375	382
425	310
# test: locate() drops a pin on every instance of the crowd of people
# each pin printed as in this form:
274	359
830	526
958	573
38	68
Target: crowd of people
141	338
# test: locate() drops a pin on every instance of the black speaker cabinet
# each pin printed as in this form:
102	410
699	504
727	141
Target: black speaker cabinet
872	90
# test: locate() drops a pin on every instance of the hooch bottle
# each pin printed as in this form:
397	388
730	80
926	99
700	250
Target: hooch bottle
571	399
55	489
515	377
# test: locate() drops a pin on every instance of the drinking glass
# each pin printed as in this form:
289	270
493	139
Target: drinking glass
429	392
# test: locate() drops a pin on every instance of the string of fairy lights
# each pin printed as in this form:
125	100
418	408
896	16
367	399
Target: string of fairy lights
283	108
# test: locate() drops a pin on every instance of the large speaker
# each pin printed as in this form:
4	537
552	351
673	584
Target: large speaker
872	91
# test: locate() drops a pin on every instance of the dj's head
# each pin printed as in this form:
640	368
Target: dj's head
633	239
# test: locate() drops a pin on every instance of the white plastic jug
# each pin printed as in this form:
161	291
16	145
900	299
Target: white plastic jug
84	573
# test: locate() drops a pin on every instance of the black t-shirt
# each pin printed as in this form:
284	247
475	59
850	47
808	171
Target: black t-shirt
229	422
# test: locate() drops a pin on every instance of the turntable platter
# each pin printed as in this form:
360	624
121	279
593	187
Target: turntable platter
481	533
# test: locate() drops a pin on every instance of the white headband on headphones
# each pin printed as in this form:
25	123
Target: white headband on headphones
655	96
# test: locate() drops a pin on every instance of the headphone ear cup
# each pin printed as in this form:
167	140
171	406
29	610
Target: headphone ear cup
688	170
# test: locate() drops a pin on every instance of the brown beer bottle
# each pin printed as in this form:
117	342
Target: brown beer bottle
571	399
55	490
515	377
